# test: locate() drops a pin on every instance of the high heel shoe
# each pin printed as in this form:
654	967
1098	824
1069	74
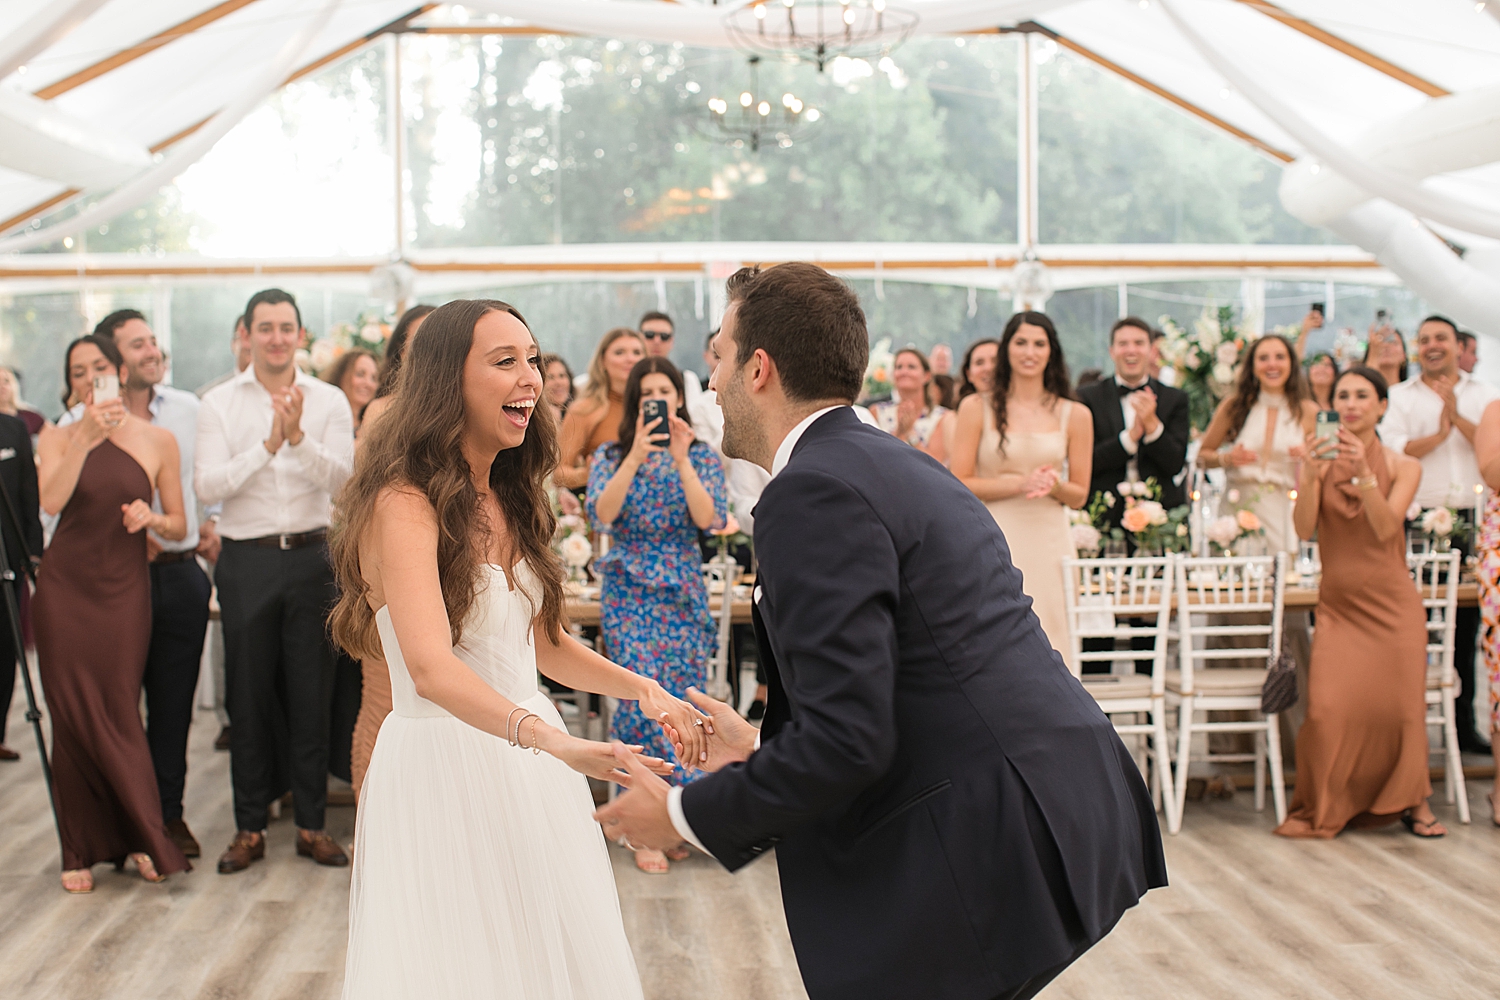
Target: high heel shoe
80	885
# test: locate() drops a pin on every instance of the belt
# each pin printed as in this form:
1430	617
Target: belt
168	558
283	541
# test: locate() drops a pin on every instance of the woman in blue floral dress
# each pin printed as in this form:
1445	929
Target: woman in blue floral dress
654	610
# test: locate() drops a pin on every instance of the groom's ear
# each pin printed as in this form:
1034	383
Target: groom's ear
761	371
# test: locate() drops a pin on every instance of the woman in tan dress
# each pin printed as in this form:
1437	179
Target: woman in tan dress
1362	751
1027	451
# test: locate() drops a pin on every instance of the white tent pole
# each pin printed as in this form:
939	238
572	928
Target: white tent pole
1377	180
187	152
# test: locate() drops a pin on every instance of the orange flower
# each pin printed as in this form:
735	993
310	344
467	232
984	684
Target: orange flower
1136	520
1247	520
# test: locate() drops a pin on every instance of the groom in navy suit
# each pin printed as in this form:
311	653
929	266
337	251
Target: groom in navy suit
953	816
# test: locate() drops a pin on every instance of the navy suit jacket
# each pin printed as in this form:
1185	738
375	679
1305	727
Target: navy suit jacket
951	811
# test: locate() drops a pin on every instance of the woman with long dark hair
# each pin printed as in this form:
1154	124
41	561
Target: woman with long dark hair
1320	371
557	384
92	617
1027	451
1362	750
654	499
357	375
478	870
1256	436
976	374
1386	353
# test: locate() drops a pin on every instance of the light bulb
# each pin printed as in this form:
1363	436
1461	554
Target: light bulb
760	12
796	107
764	107
812	114
746	100
879	6
787	100
848	16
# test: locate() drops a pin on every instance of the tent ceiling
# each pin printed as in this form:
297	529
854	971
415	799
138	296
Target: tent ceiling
150	69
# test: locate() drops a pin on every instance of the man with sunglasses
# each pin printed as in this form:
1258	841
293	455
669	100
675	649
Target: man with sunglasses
659	332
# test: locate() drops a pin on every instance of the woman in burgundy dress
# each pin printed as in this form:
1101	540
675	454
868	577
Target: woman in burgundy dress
92	616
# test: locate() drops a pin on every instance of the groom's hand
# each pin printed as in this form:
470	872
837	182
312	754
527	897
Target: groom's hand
731	738
638	817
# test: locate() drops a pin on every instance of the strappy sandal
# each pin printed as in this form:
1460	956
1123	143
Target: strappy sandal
646	861
678	853
83	880
146	867
1411	823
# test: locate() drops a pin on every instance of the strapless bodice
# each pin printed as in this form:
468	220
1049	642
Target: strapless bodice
497	645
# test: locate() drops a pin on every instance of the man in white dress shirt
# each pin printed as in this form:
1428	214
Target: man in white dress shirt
179	587
1433	418
274	445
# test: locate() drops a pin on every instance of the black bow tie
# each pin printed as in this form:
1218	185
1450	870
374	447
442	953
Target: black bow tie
1126	390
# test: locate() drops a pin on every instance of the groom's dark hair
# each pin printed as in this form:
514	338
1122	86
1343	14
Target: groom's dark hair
808	322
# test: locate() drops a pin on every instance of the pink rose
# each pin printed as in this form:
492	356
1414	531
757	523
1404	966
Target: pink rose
1247	520
1136	520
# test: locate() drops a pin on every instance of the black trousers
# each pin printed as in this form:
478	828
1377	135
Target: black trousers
179	623
278	666
7	667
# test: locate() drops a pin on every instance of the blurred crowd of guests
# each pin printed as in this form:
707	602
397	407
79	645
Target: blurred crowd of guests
151	497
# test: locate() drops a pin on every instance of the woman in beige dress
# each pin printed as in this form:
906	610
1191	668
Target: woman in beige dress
1257	435
1026	450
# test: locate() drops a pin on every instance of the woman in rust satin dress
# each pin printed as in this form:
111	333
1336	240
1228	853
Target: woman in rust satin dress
92	616
1362	751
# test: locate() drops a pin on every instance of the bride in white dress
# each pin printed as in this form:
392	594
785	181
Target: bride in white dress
478	870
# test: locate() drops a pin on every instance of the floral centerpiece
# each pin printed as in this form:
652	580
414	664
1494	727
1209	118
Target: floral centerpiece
1204	359
368	333
1153	528
572	544
1440	524
878	372
728	535
1228	531
1086	537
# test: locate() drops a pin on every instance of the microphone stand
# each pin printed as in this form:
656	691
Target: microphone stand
13	614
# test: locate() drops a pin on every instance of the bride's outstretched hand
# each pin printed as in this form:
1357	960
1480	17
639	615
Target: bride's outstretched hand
687	729
597	760
730	737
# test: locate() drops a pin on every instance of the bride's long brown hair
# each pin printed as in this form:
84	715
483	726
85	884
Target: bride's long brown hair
418	444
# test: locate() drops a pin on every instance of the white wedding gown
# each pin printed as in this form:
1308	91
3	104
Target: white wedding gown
479	873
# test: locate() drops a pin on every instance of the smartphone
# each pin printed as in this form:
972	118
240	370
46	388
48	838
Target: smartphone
655	412
106	387
1326	431
1317	307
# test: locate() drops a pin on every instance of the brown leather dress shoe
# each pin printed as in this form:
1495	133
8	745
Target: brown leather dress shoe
321	848
246	848
6	753
183	838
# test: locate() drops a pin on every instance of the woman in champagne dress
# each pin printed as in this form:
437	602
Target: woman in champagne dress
92	616
478	869
1027	451
1362	750
1257	437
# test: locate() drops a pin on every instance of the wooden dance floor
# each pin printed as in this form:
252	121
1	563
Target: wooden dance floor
1371	915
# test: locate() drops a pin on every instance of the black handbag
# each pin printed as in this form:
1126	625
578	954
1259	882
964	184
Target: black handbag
1279	692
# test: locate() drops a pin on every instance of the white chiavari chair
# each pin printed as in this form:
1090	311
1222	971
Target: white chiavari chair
1215	597
720	573
1119	600
1436	576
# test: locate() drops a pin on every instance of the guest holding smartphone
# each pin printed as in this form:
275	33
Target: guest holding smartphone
92	617
654	489
1362	750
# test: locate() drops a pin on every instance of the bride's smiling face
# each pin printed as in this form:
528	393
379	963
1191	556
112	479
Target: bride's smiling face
502	381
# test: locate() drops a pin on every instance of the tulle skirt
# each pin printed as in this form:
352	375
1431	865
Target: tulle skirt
479	873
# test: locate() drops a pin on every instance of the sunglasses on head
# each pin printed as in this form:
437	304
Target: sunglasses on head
654	335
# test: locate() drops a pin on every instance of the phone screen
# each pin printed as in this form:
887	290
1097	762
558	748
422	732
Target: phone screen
106	387
655	412
1326	429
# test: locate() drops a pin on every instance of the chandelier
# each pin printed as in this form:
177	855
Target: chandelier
753	117
819	31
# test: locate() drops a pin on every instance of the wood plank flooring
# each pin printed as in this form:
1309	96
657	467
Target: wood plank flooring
1376	915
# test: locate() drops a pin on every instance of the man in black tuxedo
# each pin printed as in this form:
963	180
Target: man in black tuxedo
1140	425
953	816
18	474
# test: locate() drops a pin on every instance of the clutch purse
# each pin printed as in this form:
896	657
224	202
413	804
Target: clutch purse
1279	692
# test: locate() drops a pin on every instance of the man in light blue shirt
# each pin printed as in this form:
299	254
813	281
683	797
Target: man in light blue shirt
179	587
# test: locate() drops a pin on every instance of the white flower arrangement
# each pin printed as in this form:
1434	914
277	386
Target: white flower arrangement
1205	359
1086	537
878	371
1438	522
576	550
